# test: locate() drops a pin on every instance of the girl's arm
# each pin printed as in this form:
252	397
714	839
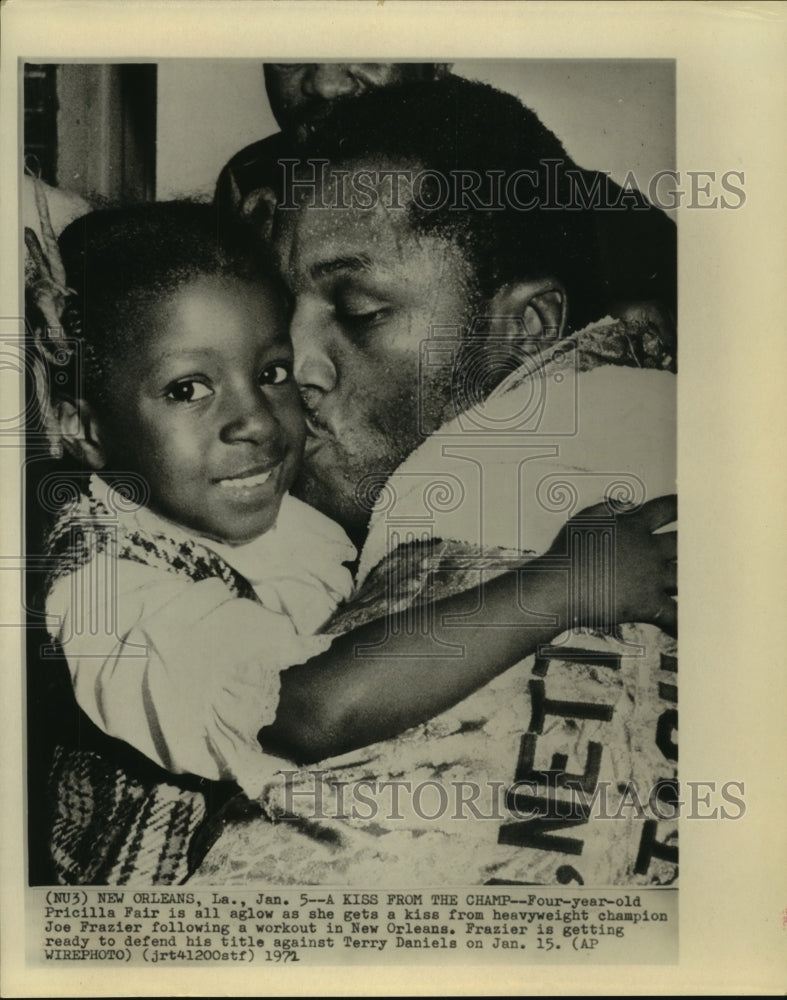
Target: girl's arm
341	700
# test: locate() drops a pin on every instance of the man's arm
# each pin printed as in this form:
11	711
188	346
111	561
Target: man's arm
340	701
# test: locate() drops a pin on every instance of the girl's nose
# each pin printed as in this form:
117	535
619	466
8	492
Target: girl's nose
251	418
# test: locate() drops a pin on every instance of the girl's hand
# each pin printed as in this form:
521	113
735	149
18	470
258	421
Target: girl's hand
628	574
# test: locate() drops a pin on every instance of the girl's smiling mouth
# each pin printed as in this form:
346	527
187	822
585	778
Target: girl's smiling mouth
249	480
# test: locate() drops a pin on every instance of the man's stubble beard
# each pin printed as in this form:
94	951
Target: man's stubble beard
345	485
343	477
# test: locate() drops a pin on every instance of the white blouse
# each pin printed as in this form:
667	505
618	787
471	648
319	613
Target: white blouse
185	672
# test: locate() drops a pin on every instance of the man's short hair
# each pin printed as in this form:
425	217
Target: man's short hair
527	218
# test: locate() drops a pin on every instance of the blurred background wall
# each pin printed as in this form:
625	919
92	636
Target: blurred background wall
611	115
165	129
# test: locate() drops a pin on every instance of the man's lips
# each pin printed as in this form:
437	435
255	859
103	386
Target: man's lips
315	427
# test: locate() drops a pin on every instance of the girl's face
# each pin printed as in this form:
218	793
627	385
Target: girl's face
205	408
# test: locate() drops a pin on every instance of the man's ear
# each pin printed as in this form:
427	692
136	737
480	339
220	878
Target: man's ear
80	432
535	308
259	208
442	70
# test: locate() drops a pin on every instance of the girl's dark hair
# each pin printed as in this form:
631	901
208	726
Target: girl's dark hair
120	261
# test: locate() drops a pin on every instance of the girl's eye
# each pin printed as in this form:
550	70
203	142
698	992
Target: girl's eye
276	374
188	391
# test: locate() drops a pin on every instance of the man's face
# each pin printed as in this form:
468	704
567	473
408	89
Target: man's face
367	289
302	92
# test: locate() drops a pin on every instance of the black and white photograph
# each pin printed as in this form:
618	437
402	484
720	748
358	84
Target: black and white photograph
351	440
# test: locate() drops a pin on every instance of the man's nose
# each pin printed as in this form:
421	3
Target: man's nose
313	367
329	81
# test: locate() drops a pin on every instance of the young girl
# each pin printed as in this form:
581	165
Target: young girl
188	587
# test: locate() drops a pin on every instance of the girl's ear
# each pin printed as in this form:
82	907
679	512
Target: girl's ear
80	432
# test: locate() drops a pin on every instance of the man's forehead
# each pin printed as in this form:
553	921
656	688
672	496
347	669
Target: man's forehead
383	178
320	234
